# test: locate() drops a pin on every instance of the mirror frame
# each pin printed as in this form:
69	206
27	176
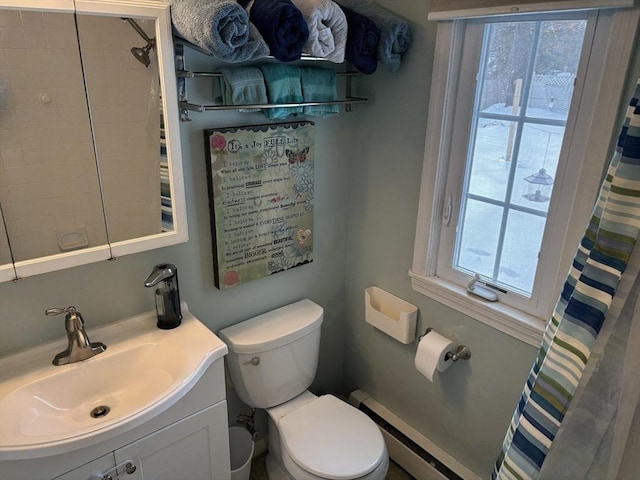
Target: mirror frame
148	9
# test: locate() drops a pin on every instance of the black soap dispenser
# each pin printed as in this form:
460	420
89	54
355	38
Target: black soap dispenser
165	275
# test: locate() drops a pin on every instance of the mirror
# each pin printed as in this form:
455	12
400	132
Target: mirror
123	94
50	187
89	138
5	253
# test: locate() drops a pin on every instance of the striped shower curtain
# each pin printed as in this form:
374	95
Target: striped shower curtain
580	312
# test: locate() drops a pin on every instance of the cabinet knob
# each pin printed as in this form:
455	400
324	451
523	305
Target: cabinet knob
129	468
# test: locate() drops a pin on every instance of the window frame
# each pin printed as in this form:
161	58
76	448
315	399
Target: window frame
540	300
587	146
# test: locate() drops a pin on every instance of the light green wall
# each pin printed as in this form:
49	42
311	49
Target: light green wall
368	167
107	291
466	411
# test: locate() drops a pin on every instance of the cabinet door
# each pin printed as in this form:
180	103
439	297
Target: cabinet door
92	470
196	448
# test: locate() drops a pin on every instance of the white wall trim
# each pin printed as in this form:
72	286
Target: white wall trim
517	8
421	472
504	318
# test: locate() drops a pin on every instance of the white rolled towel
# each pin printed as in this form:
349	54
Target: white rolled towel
327	29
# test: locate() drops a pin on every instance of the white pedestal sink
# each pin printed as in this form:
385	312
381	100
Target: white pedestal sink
47	409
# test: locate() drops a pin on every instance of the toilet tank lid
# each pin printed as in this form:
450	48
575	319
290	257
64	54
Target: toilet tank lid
273	329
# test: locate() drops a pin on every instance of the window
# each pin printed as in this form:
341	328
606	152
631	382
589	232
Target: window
520	110
523	92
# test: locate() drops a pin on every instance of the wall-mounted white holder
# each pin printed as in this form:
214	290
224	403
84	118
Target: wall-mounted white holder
391	314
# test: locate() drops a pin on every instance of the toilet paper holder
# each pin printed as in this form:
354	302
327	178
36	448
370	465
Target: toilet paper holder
462	352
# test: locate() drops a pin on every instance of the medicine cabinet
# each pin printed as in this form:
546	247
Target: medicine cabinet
90	156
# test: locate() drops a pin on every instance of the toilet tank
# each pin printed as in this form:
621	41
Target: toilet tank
273	357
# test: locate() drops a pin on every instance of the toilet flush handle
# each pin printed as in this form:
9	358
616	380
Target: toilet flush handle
254	361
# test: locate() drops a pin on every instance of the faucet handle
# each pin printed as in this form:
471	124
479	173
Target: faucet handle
72	321
50	312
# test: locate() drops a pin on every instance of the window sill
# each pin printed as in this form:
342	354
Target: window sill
508	320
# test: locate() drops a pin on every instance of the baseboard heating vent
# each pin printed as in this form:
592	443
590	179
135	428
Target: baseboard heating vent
409	448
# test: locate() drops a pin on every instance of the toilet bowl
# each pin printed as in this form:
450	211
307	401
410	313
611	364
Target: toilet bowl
272	361
324	438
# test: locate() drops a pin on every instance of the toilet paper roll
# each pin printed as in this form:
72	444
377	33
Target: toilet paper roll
430	356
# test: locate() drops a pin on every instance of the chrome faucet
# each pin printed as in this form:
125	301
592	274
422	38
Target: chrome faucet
79	348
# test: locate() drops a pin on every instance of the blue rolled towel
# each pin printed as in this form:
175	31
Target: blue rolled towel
395	34
327	29
282	26
362	41
221	27
319	85
283	86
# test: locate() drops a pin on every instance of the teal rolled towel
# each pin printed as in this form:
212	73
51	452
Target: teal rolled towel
221	27
242	86
319	85
283	86
395	34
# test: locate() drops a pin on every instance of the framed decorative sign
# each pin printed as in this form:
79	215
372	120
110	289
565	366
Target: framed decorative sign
260	181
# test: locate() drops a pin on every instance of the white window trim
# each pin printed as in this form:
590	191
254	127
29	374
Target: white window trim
446	10
560	207
594	132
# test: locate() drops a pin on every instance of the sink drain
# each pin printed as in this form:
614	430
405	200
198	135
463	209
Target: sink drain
100	411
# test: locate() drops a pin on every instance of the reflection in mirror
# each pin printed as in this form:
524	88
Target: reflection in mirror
123	89
5	248
90	157
49	190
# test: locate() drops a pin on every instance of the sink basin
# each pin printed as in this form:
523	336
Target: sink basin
48	410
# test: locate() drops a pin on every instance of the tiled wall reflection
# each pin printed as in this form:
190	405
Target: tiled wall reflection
49	186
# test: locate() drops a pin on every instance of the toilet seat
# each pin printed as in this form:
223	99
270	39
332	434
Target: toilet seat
293	470
331	439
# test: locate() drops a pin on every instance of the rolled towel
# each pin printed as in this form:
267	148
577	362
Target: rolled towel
327	29
282	26
319	85
283	86
221	27
395	34
362	41
242	86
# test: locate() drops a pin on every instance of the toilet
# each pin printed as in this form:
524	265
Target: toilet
272	361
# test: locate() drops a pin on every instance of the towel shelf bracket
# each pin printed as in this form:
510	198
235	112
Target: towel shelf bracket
185	107
208	108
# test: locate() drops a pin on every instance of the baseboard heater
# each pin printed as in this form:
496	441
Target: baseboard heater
407	447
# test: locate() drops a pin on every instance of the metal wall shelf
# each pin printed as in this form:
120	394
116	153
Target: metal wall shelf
186	107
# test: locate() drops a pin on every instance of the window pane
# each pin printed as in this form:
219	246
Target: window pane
556	66
519	259
538	155
489	175
479	240
509	47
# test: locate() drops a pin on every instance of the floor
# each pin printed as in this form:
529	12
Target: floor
259	471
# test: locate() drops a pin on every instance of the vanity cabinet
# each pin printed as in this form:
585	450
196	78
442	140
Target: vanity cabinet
187	449
189	440
87	471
